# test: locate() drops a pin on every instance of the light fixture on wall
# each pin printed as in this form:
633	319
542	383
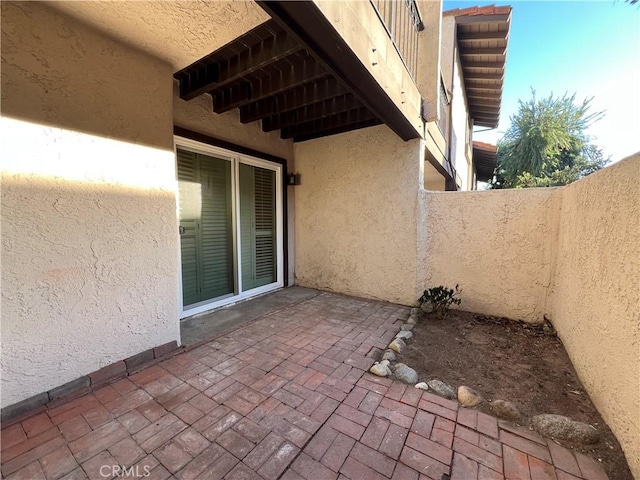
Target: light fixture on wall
294	179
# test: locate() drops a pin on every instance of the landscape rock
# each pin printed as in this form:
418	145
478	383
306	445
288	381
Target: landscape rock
389	355
558	426
417	312
442	389
422	386
412	320
406	327
404	335
468	397
506	410
426	307
381	369
397	345
405	373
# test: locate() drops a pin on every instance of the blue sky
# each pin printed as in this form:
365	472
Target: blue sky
591	48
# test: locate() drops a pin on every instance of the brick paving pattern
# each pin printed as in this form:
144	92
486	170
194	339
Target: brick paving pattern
285	397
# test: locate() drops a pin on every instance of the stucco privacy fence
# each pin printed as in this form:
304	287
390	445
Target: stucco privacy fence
569	254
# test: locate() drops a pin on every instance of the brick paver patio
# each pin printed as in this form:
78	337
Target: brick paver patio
288	397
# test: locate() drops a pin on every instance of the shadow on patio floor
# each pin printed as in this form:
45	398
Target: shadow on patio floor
195	330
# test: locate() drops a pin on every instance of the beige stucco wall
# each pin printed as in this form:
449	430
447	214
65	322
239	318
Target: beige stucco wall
174	31
428	75
459	127
571	254
496	245
89	243
356	214
595	294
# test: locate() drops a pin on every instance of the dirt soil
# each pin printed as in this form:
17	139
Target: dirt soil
511	360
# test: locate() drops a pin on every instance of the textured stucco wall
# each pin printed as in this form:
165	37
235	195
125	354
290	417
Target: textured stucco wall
174	31
569	253
595	295
459	126
496	245
89	243
428	74
356	214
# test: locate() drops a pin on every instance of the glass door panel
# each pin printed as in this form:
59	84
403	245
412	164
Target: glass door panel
206	227
257	226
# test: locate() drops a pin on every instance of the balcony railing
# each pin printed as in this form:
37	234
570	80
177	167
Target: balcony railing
402	20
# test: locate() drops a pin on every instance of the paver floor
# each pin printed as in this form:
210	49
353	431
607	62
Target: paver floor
286	396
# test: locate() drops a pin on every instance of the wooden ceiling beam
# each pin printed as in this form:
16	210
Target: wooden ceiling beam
483	19
339	120
335	130
484	87
298	73
480	112
311	112
468	65
478	52
484	96
475	76
222	73
293	98
316	32
476	36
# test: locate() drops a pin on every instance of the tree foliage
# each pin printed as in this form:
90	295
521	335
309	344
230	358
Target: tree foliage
547	145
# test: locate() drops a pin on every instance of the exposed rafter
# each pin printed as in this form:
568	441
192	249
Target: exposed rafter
311	112
474	36
481	52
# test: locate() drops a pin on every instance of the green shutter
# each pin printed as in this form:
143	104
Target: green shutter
204	185
257	226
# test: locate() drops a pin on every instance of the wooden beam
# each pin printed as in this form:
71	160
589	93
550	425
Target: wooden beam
317	34
476	19
483	102
484	87
301	96
334	131
299	72
471	65
219	74
311	112
475	76
478	52
476	36
482	111
485	96
339	120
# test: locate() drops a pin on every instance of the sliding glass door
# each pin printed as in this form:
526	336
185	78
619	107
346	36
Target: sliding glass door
230	217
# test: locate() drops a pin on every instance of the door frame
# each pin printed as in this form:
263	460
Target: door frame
236	158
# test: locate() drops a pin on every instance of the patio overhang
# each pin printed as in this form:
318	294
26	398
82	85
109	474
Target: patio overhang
483	35
485	158
296	75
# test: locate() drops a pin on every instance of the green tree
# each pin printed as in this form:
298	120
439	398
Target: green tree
546	144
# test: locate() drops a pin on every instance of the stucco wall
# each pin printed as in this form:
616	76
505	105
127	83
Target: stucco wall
459	127
89	243
428	74
595	296
496	245
570	254
356	214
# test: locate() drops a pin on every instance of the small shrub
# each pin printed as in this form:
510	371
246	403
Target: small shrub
440	299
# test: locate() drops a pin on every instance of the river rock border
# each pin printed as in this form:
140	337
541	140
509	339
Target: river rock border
555	426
